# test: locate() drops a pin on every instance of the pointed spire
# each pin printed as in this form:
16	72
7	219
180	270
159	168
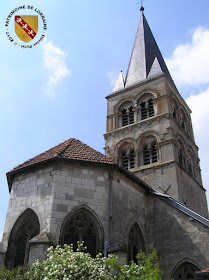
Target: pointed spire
145	52
120	83
155	69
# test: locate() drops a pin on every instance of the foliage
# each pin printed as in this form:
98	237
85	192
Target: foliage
65	264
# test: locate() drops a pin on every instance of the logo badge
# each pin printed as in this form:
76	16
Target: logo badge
26	27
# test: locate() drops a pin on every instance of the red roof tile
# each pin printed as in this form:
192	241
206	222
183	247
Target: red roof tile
69	149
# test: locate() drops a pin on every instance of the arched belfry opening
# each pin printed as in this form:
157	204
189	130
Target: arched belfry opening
82	225
185	271
135	242
25	228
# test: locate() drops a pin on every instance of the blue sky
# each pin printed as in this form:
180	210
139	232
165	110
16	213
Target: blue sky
57	89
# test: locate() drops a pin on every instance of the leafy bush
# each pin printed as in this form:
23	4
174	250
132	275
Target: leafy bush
63	263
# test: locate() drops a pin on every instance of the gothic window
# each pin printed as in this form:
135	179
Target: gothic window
185	271
80	227
26	227
135	242
146	155
150	108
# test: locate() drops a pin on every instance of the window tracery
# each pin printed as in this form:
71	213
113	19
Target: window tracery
26	227
80	227
185	271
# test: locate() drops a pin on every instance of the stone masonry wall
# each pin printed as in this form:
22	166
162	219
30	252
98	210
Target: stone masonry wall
53	191
30	189
176	237
129	206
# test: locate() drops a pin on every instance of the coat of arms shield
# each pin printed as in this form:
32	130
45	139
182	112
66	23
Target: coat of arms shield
26	27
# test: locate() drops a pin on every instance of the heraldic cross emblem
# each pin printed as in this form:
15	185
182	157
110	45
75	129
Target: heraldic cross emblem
26	27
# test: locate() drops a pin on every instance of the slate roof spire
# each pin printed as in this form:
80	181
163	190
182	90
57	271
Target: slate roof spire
146	59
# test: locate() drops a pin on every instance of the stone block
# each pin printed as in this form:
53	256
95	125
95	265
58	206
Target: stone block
62	208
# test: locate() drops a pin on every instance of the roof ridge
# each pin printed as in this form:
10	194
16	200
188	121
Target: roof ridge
72	148
68	145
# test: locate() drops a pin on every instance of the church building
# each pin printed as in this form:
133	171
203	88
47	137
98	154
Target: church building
145	191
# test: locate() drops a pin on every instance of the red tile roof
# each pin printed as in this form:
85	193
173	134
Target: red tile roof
69	149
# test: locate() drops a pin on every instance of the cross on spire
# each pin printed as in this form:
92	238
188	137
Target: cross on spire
142	8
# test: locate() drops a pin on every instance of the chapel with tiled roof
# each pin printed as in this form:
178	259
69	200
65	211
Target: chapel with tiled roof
145	191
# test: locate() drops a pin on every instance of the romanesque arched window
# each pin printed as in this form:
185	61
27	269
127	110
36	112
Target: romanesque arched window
131	115
26	227
181	155
180	158
149	151
154	152
183	121
127	156
126	114
135	242
143	111
175	110
150	108
82	226
174	113
186	271
190	163
189	167
132	159
146	155
124	117
145	107
124	158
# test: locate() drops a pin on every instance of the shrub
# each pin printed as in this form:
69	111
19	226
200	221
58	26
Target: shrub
63	263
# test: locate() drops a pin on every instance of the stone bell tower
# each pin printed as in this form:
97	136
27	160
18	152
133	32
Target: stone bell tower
149	129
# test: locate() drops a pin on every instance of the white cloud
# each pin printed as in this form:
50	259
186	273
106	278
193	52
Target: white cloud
1	234
55	62
189	62
200	118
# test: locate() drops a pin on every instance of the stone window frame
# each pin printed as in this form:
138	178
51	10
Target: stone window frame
128	111
99	231
182	118
135	243
182	270
27	215
126	154
145	106
148	151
